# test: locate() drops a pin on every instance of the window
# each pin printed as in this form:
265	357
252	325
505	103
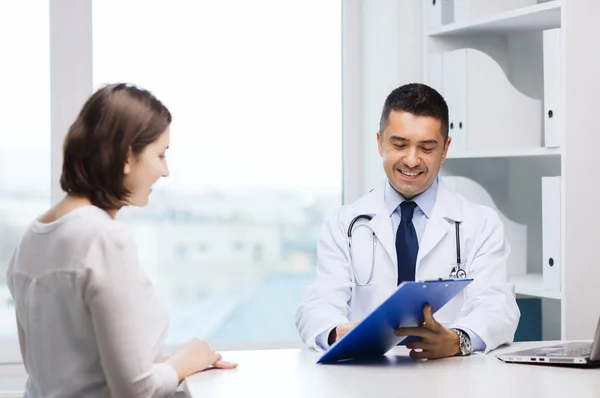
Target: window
24	132
256	152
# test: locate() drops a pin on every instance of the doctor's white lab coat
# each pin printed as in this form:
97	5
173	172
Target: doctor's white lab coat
487	306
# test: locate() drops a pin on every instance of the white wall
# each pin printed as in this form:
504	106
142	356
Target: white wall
382	51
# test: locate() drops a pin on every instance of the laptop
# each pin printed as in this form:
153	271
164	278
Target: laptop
574	354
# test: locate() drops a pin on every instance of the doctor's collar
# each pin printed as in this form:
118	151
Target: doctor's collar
425	200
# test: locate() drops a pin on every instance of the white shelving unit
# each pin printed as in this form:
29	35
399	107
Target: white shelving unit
391	42
512	175
531	285
518	152
513	39
532	18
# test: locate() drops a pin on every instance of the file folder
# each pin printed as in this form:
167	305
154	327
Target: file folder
447	11
454	83
374	336
439	12
434	13
552	91
551	244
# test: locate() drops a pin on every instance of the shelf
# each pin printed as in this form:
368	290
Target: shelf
538	17
533	285
512	153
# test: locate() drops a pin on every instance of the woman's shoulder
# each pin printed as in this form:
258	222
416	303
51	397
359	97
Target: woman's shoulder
109	247
96	226
110	234
67	243
83	229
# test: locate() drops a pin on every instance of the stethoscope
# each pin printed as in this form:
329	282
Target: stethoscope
457	271
350	227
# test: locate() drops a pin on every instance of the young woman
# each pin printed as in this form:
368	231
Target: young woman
90	323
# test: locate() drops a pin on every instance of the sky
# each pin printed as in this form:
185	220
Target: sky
254	88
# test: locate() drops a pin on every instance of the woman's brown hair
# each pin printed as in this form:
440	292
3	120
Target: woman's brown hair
116	119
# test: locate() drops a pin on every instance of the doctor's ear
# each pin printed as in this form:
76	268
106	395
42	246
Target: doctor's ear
380	143
446	146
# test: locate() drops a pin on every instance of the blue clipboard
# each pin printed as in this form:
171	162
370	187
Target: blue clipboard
374	336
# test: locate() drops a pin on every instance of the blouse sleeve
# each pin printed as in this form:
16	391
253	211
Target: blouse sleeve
114	295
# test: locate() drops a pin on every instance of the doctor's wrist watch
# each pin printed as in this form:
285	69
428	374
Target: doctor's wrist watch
464	342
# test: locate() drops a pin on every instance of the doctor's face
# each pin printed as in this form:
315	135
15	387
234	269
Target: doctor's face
412	148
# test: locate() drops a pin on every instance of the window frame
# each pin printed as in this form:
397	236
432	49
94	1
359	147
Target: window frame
71	83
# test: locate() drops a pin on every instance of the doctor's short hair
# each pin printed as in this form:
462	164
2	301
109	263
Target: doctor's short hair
419	100
115	119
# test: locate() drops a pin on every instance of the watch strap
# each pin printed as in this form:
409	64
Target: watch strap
464	342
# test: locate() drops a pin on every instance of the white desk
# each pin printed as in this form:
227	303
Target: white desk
293	373
14	377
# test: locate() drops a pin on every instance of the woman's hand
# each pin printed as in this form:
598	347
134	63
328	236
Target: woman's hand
196	356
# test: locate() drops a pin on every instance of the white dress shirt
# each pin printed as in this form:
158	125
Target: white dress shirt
90	323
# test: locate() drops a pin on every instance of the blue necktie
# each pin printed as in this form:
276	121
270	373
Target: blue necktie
407	244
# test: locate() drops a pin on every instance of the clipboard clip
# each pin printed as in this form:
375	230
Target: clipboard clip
438	280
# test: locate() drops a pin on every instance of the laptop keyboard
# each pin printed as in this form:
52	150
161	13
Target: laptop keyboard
569	352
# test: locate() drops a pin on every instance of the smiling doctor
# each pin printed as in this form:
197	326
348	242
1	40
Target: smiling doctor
413	227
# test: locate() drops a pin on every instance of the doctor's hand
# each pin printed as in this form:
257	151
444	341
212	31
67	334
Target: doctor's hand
340	331
436	340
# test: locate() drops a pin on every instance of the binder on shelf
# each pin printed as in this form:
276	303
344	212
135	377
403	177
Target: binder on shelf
551	244
465	10
486	110
447	11
439	12
552	87
434	13
454	78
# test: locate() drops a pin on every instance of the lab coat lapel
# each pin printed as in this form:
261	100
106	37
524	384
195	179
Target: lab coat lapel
445	212
381	223
382	226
